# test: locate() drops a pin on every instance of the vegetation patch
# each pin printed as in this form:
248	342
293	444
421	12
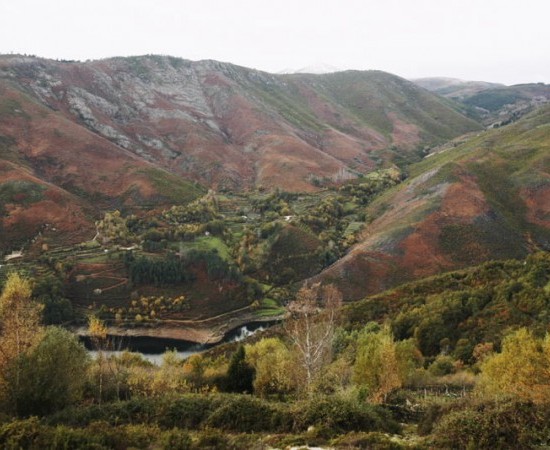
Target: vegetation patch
173	188
21	192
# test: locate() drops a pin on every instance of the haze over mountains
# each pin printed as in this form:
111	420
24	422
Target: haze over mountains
78	139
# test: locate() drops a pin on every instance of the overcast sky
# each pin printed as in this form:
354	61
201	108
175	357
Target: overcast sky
505	41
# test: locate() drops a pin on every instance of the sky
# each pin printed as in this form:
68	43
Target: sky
504	41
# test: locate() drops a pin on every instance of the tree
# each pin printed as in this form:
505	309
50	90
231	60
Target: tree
377	366
52	374
272	363
49	291
112	228
97	331
240	375
170	377
521	370
20	329
310	327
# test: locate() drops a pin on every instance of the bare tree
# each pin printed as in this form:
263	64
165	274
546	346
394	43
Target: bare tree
313	317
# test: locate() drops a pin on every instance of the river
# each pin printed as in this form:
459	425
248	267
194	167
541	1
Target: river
152	349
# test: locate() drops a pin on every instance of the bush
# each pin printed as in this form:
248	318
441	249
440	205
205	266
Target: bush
188	411
27	434
494	425
248	414
30	434
176	440
212	440
443	365
344	415
139	410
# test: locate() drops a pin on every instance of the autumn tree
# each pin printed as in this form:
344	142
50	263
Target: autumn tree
20	329
377	366
521	369
97	330
313	317
112	228
170	377
272	362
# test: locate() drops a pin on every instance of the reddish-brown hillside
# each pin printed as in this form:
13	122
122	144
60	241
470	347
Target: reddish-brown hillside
488	198
58	175
228	126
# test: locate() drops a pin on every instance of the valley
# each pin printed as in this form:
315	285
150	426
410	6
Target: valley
393	238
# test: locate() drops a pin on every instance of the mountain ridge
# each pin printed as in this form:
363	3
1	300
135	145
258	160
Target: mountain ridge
232	114
478	200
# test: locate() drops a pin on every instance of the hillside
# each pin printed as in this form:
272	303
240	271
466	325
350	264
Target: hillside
455	88
478	304
493	104
57	176
485	198
231	127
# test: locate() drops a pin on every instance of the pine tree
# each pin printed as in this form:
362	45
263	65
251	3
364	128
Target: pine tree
240	375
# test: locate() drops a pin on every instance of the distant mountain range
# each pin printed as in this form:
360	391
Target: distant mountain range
491	103
453	87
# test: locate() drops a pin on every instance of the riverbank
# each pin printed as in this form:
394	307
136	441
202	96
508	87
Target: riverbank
209	331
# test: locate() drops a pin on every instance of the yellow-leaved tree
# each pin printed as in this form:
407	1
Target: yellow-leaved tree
20	329
274	367
521	369
377	367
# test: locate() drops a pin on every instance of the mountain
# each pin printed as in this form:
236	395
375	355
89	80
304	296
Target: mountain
502	105
231	127
491	103
466	203
56	176
454	88
318	68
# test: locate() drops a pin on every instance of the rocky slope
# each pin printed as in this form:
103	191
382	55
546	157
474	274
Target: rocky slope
233	127
57	176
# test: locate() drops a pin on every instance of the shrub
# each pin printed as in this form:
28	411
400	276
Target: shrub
27	434
443	365
247	414
176	440
139	410
343	415
212	440
494	425
188	411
